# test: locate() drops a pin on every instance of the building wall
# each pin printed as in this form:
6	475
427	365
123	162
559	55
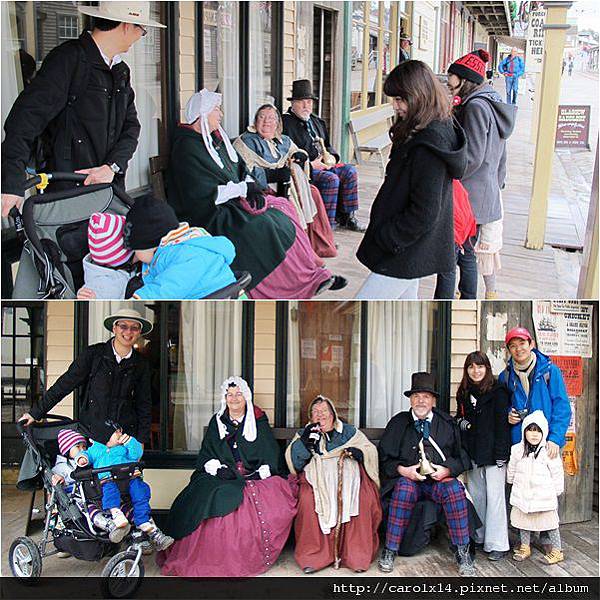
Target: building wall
264	356
187	52
423	30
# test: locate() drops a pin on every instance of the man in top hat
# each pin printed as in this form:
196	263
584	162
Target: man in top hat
337	182
80	105
115	379
423	431
405	45
535	383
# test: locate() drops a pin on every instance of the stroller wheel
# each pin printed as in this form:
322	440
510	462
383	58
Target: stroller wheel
25	560
121	575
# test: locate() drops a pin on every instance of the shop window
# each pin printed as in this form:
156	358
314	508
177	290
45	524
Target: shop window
35	28
362	356
22	358
261	59
192	349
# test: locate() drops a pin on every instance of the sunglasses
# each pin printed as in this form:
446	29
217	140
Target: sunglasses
133	328
144	30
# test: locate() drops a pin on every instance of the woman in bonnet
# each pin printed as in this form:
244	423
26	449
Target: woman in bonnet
209	186
235	515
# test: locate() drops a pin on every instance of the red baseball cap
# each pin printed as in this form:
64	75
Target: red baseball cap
517	332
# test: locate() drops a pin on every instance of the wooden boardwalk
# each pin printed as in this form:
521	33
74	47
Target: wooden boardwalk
580	543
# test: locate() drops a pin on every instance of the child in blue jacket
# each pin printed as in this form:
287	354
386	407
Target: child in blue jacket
184	262
120	449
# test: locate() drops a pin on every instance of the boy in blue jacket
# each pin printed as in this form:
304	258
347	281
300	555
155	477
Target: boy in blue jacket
535	383
184	262
120	449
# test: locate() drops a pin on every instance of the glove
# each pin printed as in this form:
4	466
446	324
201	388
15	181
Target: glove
300	158
310	436
264	471
231	190
356	454
212	466
500	463
282	175
464	424
225	472
255	195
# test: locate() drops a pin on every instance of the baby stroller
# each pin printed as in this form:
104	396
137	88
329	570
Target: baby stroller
67	524
54	226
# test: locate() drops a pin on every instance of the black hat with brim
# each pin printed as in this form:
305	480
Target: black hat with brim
302	90
422	382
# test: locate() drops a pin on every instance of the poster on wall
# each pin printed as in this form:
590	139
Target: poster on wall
572	372
573	126
563	333
534	54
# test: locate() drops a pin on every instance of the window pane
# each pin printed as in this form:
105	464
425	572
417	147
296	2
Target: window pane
261	67
221	58
387	14
358	11
356	65
205	347
323	358
373	63
23	322
7	320
23	351
7	351
400	342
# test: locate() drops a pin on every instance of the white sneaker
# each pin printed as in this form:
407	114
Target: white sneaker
116	534
118	518
63	554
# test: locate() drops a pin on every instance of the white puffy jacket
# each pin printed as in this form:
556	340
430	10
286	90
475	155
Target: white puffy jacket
537	480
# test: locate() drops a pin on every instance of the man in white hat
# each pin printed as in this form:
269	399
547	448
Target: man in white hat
80	106
115	379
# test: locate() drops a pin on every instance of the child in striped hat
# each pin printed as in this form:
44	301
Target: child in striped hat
108	267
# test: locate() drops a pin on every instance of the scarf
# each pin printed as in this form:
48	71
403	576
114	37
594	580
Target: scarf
523	374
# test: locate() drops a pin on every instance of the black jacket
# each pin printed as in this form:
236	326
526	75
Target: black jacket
488	439
99	126
119	392
411	228
297	129
399	447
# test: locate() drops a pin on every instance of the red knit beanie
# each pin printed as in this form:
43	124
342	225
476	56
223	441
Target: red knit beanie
471	66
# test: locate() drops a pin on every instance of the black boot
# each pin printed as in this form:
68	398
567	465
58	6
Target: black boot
464	561
349	221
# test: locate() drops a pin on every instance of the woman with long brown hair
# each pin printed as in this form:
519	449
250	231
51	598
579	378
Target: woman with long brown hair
411	229
482	406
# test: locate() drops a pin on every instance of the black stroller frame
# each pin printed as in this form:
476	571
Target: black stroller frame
78	535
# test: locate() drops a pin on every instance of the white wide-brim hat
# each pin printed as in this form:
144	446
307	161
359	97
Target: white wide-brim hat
137	13
127	314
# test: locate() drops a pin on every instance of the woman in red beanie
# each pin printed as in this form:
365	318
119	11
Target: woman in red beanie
487	122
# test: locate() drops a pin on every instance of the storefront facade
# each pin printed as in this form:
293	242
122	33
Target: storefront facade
359	354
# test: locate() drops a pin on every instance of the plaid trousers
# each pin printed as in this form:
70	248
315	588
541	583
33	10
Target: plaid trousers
338	187
450	494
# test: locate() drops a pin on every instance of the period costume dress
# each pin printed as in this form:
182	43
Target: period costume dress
318	500
232	527
265	160
207	184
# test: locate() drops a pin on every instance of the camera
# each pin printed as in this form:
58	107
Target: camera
521	413
464	424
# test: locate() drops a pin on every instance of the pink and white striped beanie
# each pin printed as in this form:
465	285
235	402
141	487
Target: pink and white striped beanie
67	438
105	240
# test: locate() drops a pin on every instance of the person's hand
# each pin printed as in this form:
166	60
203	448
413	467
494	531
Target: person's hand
513	417
255	195
319	165
440	472
225	473
56	479
311	436
10	200
356	454
552	449
264	471
411	473
300	158
86	294
500	463
26	417
102	174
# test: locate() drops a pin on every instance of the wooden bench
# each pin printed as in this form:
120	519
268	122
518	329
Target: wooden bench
158	165
375	145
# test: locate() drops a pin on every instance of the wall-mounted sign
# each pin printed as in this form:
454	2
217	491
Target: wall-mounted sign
572	372
573	127
534	55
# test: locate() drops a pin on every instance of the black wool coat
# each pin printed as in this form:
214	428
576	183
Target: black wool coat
411	227
99	127
119	392
488	439
399	447
297	129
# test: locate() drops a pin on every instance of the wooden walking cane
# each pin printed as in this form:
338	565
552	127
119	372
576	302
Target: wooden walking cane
338	526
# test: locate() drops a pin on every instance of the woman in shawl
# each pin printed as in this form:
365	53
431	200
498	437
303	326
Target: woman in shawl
277	163
324	533
209	186
235	515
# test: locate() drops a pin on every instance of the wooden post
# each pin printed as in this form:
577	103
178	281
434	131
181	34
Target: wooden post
364	95
380	55
395	34
588	277
549	91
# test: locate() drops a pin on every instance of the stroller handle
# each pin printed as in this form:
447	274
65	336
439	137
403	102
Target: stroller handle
23	428
54	176
83	473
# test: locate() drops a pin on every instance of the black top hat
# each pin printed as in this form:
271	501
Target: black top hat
422	382
301	90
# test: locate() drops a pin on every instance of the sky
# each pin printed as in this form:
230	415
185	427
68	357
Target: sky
587	14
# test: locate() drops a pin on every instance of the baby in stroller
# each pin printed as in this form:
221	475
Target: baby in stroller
119	449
